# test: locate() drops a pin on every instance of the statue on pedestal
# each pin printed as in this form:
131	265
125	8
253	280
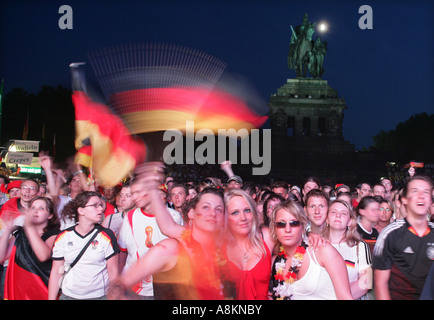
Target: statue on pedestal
305	53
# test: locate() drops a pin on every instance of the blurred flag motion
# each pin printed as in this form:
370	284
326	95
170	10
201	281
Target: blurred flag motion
103	142
154	87
157	87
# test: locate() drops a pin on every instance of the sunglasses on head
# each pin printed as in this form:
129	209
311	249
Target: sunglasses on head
282	224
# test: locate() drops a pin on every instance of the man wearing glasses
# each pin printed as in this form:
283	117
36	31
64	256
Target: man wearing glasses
15	207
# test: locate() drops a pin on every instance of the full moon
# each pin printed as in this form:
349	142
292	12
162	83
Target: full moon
322	27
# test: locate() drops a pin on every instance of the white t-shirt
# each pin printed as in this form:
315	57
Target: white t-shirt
89	277
65	222
139	232
114	222
357	258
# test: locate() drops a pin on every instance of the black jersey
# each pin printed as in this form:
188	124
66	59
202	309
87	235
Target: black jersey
408	256
369	238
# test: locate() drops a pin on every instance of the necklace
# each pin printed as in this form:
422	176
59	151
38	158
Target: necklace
246	256
285	280
297	260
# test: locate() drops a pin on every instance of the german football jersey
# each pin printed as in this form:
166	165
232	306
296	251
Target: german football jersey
369	237
89	277
408	256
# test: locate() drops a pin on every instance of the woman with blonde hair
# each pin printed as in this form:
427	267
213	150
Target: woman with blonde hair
248	247
341	231
298	271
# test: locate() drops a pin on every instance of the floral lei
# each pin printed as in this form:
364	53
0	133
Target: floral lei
284	289
215	277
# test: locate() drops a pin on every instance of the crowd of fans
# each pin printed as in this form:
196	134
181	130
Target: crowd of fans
156	237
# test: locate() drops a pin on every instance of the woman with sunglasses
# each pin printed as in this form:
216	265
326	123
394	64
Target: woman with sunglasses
88	278
298	272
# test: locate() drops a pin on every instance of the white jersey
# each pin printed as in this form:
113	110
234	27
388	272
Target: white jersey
65	222
357	258
139	232
114	222
89	277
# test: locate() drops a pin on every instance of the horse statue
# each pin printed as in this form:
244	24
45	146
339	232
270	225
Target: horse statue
304	53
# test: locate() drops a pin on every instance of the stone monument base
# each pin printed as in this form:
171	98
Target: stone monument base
306	124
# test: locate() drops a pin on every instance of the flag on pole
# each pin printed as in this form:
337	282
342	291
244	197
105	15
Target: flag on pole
103	141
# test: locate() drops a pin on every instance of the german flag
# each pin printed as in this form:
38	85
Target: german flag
102	137
350	264
26	277
84	156
157	87
156	109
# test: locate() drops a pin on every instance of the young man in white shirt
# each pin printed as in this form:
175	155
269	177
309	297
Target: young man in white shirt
139	232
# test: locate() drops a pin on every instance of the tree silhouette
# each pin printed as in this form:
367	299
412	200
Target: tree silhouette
51	112
413	137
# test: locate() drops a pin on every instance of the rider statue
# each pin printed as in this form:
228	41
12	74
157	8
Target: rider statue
305	53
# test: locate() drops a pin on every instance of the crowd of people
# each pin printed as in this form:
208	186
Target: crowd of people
153	237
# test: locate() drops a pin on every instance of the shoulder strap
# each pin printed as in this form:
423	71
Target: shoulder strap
312	256
110	220
98	230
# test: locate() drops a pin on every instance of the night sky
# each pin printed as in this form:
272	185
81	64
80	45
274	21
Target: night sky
385	74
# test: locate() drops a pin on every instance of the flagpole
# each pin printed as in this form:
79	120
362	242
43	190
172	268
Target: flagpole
26	125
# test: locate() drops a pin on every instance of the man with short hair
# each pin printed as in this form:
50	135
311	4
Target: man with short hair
316	207
178	195
281	188
379	190
169	182
124	204
404	251
387	183
16	207
363	189
140	232
250	188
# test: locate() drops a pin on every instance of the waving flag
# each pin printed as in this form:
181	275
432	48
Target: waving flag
26	277
155	109
103	141
156	87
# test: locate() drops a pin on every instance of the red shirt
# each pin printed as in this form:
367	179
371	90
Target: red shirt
251	284
11	209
